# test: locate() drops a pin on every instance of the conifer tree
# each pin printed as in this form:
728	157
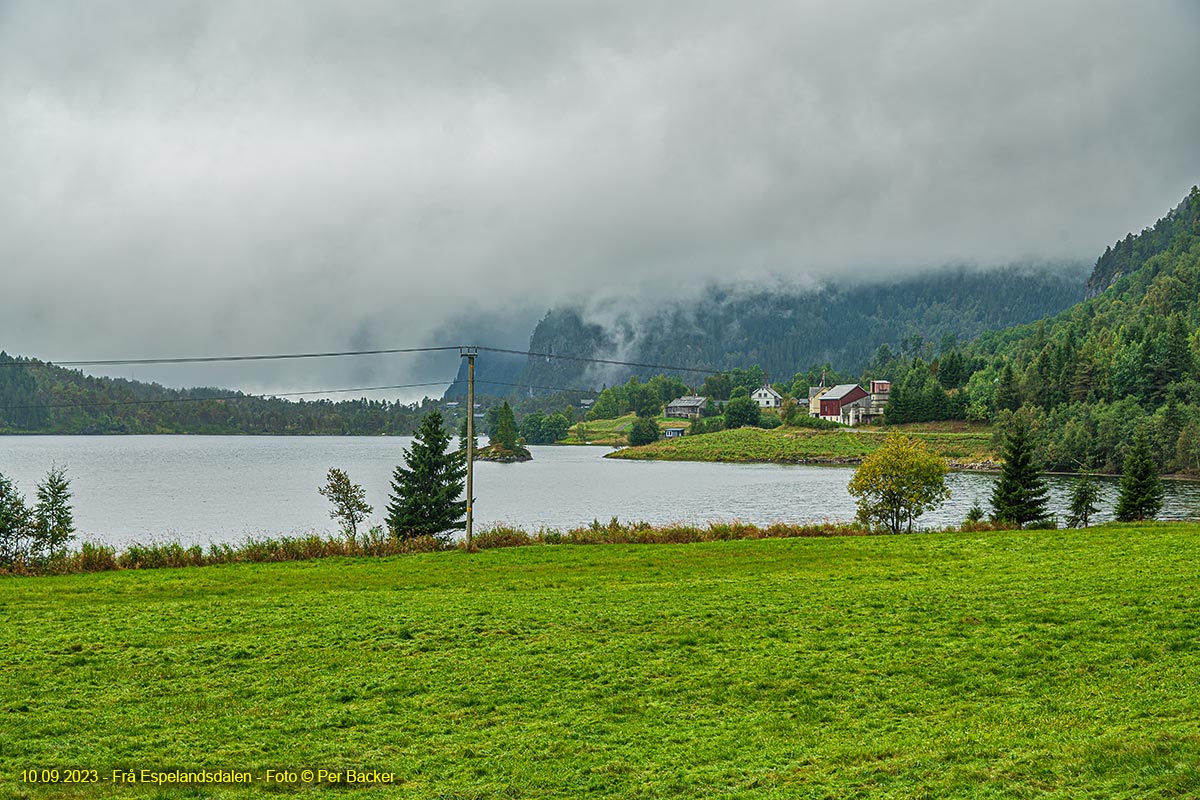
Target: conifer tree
1141	489
1083	502
1020	494
505	433
1007	398
426	489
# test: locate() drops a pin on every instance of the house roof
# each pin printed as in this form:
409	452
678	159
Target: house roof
840	391
769	390
688	401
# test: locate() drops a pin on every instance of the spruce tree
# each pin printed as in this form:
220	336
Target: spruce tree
426	489
1141	489
505	432
1007	398
1083	502
1020	495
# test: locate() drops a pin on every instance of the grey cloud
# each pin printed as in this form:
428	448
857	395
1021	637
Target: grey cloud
232	177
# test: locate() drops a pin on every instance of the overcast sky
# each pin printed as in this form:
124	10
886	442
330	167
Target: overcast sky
213	178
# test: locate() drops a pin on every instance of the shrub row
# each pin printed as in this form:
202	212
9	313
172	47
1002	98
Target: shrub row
99	558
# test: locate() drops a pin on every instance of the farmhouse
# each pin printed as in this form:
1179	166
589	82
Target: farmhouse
838	397
850	404
686	407
766	397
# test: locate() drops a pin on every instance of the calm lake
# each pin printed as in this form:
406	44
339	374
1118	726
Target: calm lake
200	489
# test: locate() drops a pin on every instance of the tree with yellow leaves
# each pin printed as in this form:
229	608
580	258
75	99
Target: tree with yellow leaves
898	483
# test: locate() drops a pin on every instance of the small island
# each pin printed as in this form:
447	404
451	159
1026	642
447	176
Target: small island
503	446
504	455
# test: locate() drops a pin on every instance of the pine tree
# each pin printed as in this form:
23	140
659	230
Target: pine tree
1020	494
1083	502
426	490
1007	398
1141	489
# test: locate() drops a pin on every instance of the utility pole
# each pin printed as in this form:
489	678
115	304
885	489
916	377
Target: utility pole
470	353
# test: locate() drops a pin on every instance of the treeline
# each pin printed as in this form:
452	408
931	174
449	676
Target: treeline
1125	361
39	398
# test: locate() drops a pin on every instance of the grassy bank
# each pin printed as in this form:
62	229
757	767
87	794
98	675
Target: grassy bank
1006	664
962	445
92	557
613	432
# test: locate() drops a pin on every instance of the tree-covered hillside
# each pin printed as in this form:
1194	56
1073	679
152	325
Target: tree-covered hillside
1125	360
39	398
785	332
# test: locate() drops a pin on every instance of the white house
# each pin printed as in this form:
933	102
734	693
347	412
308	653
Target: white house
766	397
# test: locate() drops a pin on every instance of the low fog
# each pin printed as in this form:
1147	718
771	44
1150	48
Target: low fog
218	178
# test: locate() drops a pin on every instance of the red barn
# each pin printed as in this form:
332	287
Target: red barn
840	395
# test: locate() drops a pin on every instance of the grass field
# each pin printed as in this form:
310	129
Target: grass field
613	431
964	446
1000	665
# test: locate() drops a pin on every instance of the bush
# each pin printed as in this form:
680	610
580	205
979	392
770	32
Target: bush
742	412
644	431
501	536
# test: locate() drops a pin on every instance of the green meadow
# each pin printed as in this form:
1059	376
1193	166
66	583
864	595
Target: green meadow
1006	664
801	445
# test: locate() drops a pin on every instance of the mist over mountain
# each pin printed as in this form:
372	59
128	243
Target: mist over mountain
780	328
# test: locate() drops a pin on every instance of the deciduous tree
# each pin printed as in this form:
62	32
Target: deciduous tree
14	523
644	431
898	483
349	501
53	519
741	412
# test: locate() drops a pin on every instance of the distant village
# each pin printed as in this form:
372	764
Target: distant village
847	403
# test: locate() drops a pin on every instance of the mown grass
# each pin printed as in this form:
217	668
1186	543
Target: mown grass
1001	665
799	446
613	431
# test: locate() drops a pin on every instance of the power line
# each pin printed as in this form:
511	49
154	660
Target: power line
117	362
114	362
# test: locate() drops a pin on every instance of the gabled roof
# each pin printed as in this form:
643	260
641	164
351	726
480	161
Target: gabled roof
772	392
840	391
688	401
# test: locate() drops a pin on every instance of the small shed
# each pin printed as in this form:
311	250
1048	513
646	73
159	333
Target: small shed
672	433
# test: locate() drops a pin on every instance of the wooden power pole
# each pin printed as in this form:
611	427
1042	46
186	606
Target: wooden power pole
470	353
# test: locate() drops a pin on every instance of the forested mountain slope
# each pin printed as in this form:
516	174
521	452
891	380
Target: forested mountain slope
785	332
39	398
1122	361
